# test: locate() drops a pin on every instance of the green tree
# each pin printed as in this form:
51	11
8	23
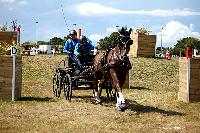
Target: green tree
29	43
56	41
109	42
143	31
4	27
158	50
184	43
66	38
42	43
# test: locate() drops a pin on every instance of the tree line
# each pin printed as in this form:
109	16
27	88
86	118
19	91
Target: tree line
52	41
180	47
111	40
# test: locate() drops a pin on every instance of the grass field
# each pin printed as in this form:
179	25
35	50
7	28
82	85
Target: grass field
153	104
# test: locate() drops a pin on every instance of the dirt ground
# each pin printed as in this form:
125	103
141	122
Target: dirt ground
152	100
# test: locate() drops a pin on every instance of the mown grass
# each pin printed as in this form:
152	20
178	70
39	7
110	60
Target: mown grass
152	103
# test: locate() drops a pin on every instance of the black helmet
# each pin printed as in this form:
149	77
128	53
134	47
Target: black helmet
72	32
83	39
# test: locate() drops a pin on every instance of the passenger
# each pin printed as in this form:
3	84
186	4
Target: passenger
83	50
70	46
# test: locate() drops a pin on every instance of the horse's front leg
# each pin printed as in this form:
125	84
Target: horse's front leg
120	105
96	91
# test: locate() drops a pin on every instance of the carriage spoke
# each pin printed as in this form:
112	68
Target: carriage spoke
67	87
54	86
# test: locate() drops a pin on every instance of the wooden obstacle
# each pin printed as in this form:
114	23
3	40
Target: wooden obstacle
10	72
189	79
9	36
6	77
143	45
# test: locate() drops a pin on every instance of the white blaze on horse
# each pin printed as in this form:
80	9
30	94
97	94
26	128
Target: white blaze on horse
114	64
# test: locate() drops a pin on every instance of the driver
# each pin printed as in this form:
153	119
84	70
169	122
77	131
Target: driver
70	46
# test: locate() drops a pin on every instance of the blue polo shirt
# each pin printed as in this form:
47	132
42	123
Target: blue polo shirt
70	46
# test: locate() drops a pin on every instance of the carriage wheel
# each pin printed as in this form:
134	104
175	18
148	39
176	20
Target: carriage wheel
68	87
54	86
57	85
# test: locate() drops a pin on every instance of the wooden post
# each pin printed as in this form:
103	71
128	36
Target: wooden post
127	81
10	78
189	79
10	68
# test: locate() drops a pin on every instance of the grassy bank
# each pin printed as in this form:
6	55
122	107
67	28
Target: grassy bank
152	103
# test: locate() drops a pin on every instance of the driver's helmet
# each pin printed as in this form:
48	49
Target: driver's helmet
83	39
72	32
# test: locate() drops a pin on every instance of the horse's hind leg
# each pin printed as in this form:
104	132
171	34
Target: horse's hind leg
111	95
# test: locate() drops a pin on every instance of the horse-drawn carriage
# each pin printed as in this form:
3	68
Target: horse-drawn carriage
67	78
111	65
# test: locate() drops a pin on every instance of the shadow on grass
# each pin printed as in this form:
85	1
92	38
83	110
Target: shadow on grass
139	88
83	88
37	99
90	99
131	105
134	106
83	97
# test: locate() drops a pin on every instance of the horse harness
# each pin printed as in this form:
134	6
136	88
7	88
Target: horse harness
113	58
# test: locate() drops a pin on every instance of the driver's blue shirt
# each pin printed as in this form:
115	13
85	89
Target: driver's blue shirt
70	46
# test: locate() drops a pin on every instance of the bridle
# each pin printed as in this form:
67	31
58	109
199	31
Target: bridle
125	43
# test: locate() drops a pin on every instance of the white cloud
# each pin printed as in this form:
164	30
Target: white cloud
191	26
95	8
111	29
174	31
11	2
7	1
89	9
58	35
23	2
95	37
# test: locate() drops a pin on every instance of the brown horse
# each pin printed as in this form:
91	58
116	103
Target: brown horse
113	64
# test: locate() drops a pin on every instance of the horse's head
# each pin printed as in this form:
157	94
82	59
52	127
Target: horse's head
125	40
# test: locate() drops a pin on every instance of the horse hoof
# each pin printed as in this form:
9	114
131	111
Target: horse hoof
98	101
121	107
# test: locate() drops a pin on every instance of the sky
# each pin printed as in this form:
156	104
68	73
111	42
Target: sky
173	19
